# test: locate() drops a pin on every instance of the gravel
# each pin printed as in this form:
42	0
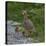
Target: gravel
14	37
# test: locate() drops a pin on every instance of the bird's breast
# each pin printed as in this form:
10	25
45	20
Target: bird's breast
27	25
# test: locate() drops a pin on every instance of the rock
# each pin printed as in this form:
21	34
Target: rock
14	37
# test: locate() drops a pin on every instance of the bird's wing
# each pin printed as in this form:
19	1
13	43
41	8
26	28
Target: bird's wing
31	25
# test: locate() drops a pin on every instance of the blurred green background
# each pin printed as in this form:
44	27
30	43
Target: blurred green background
36	14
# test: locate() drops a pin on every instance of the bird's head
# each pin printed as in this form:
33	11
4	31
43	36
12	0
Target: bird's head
24	12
